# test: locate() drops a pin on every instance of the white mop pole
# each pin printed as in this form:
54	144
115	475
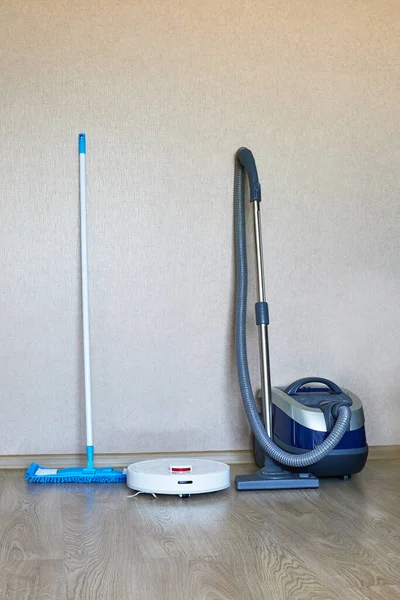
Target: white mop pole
85	300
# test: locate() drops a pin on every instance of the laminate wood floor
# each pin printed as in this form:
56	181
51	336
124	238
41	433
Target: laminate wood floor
91	542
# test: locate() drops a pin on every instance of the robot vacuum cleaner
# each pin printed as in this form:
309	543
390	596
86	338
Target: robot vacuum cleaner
181	477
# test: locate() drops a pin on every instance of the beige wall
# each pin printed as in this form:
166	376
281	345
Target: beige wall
166	92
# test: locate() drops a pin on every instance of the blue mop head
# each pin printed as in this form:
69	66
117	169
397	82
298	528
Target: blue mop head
37	474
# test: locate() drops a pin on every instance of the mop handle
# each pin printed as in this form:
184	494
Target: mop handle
85	290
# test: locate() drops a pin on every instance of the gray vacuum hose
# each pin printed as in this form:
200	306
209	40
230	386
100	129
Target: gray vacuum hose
256	424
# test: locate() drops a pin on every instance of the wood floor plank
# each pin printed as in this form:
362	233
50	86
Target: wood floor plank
153	579
334	528
30	520
32	580
2	481
172	527
338	547
387	592
92	542
97	542
270	568
215	579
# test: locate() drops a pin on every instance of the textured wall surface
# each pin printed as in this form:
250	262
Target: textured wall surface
166	92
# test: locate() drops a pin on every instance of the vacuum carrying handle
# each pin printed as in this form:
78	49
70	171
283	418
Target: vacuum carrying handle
246	159
294	387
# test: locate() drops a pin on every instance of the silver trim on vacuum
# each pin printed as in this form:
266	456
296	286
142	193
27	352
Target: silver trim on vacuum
313	418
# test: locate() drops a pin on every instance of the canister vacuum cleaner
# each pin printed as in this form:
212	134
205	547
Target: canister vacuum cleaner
309	429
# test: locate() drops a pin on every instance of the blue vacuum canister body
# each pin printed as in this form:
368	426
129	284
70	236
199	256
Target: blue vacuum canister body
303	415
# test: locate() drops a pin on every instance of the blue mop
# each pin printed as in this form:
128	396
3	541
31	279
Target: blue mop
88	474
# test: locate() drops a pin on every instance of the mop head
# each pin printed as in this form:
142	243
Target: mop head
37	474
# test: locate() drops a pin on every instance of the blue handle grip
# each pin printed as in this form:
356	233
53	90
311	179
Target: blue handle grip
246	159
82	143
294	387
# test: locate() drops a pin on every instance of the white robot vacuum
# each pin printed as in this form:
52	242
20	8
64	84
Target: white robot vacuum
180	477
